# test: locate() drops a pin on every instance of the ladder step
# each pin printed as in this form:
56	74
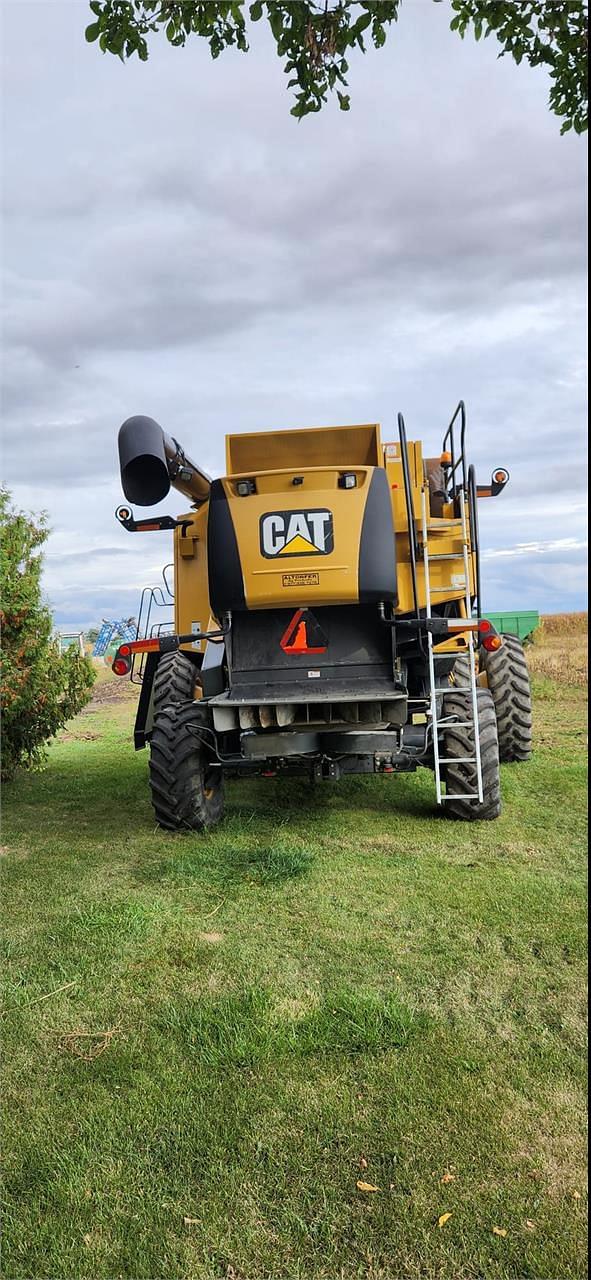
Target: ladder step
464	795
451	555
457	759
460	587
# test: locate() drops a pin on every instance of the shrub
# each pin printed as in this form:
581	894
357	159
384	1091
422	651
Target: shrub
40	689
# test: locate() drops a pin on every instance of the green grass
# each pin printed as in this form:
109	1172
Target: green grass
334	985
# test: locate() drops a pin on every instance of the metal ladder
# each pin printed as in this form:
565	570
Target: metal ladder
433	658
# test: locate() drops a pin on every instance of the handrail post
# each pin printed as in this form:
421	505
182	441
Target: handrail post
474	535
412	536
450	435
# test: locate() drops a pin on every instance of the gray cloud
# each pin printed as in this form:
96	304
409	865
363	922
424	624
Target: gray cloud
178	245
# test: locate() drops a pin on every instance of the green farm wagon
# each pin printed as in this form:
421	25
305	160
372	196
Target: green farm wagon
522	624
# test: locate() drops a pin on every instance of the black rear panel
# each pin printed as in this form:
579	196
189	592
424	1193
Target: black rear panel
358	647
226	584
377	546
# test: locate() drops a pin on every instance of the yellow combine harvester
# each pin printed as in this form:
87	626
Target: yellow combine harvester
326	619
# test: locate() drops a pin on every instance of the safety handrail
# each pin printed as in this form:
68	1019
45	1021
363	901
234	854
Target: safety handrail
151	598
474	536
451	436
412	533
169	589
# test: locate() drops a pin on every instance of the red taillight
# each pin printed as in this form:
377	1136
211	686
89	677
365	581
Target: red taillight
491	643
484	625
124	650
120	667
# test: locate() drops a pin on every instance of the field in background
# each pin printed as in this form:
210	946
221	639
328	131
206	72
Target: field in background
210	1042
559	650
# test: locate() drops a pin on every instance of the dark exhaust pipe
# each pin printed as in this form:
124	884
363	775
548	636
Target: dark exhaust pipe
151	462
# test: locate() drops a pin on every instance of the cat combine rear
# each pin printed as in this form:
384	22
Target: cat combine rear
327	619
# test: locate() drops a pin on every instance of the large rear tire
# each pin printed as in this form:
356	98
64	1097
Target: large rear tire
175	679
458	741
186	783
508	680
461	671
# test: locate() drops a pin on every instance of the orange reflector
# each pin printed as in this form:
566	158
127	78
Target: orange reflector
143	646
300	643
491	642
295	638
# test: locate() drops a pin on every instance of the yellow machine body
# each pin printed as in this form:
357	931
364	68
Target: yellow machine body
325	589
302	471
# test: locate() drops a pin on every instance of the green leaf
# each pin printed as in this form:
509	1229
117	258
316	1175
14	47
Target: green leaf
256	11
360	25
92	32
276	24
344	100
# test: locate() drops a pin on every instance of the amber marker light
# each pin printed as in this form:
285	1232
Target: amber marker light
141	646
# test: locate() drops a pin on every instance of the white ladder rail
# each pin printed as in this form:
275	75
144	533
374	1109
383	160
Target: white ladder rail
432	658
472	655
432	696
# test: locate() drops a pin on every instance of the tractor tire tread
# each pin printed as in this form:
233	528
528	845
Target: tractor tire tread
461	669
459	740
508	680
180	798
174	680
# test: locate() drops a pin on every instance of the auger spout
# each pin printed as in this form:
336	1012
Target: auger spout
151	461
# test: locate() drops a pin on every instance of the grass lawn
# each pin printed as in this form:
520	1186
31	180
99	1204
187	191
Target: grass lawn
334	987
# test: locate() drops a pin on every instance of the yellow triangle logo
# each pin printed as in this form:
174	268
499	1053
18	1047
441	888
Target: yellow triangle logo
296	545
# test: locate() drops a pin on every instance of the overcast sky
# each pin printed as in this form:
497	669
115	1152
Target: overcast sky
176	244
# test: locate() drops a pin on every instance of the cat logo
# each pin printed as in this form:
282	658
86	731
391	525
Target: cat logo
296	533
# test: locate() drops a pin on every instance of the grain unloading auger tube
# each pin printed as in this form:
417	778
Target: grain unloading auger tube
327	617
